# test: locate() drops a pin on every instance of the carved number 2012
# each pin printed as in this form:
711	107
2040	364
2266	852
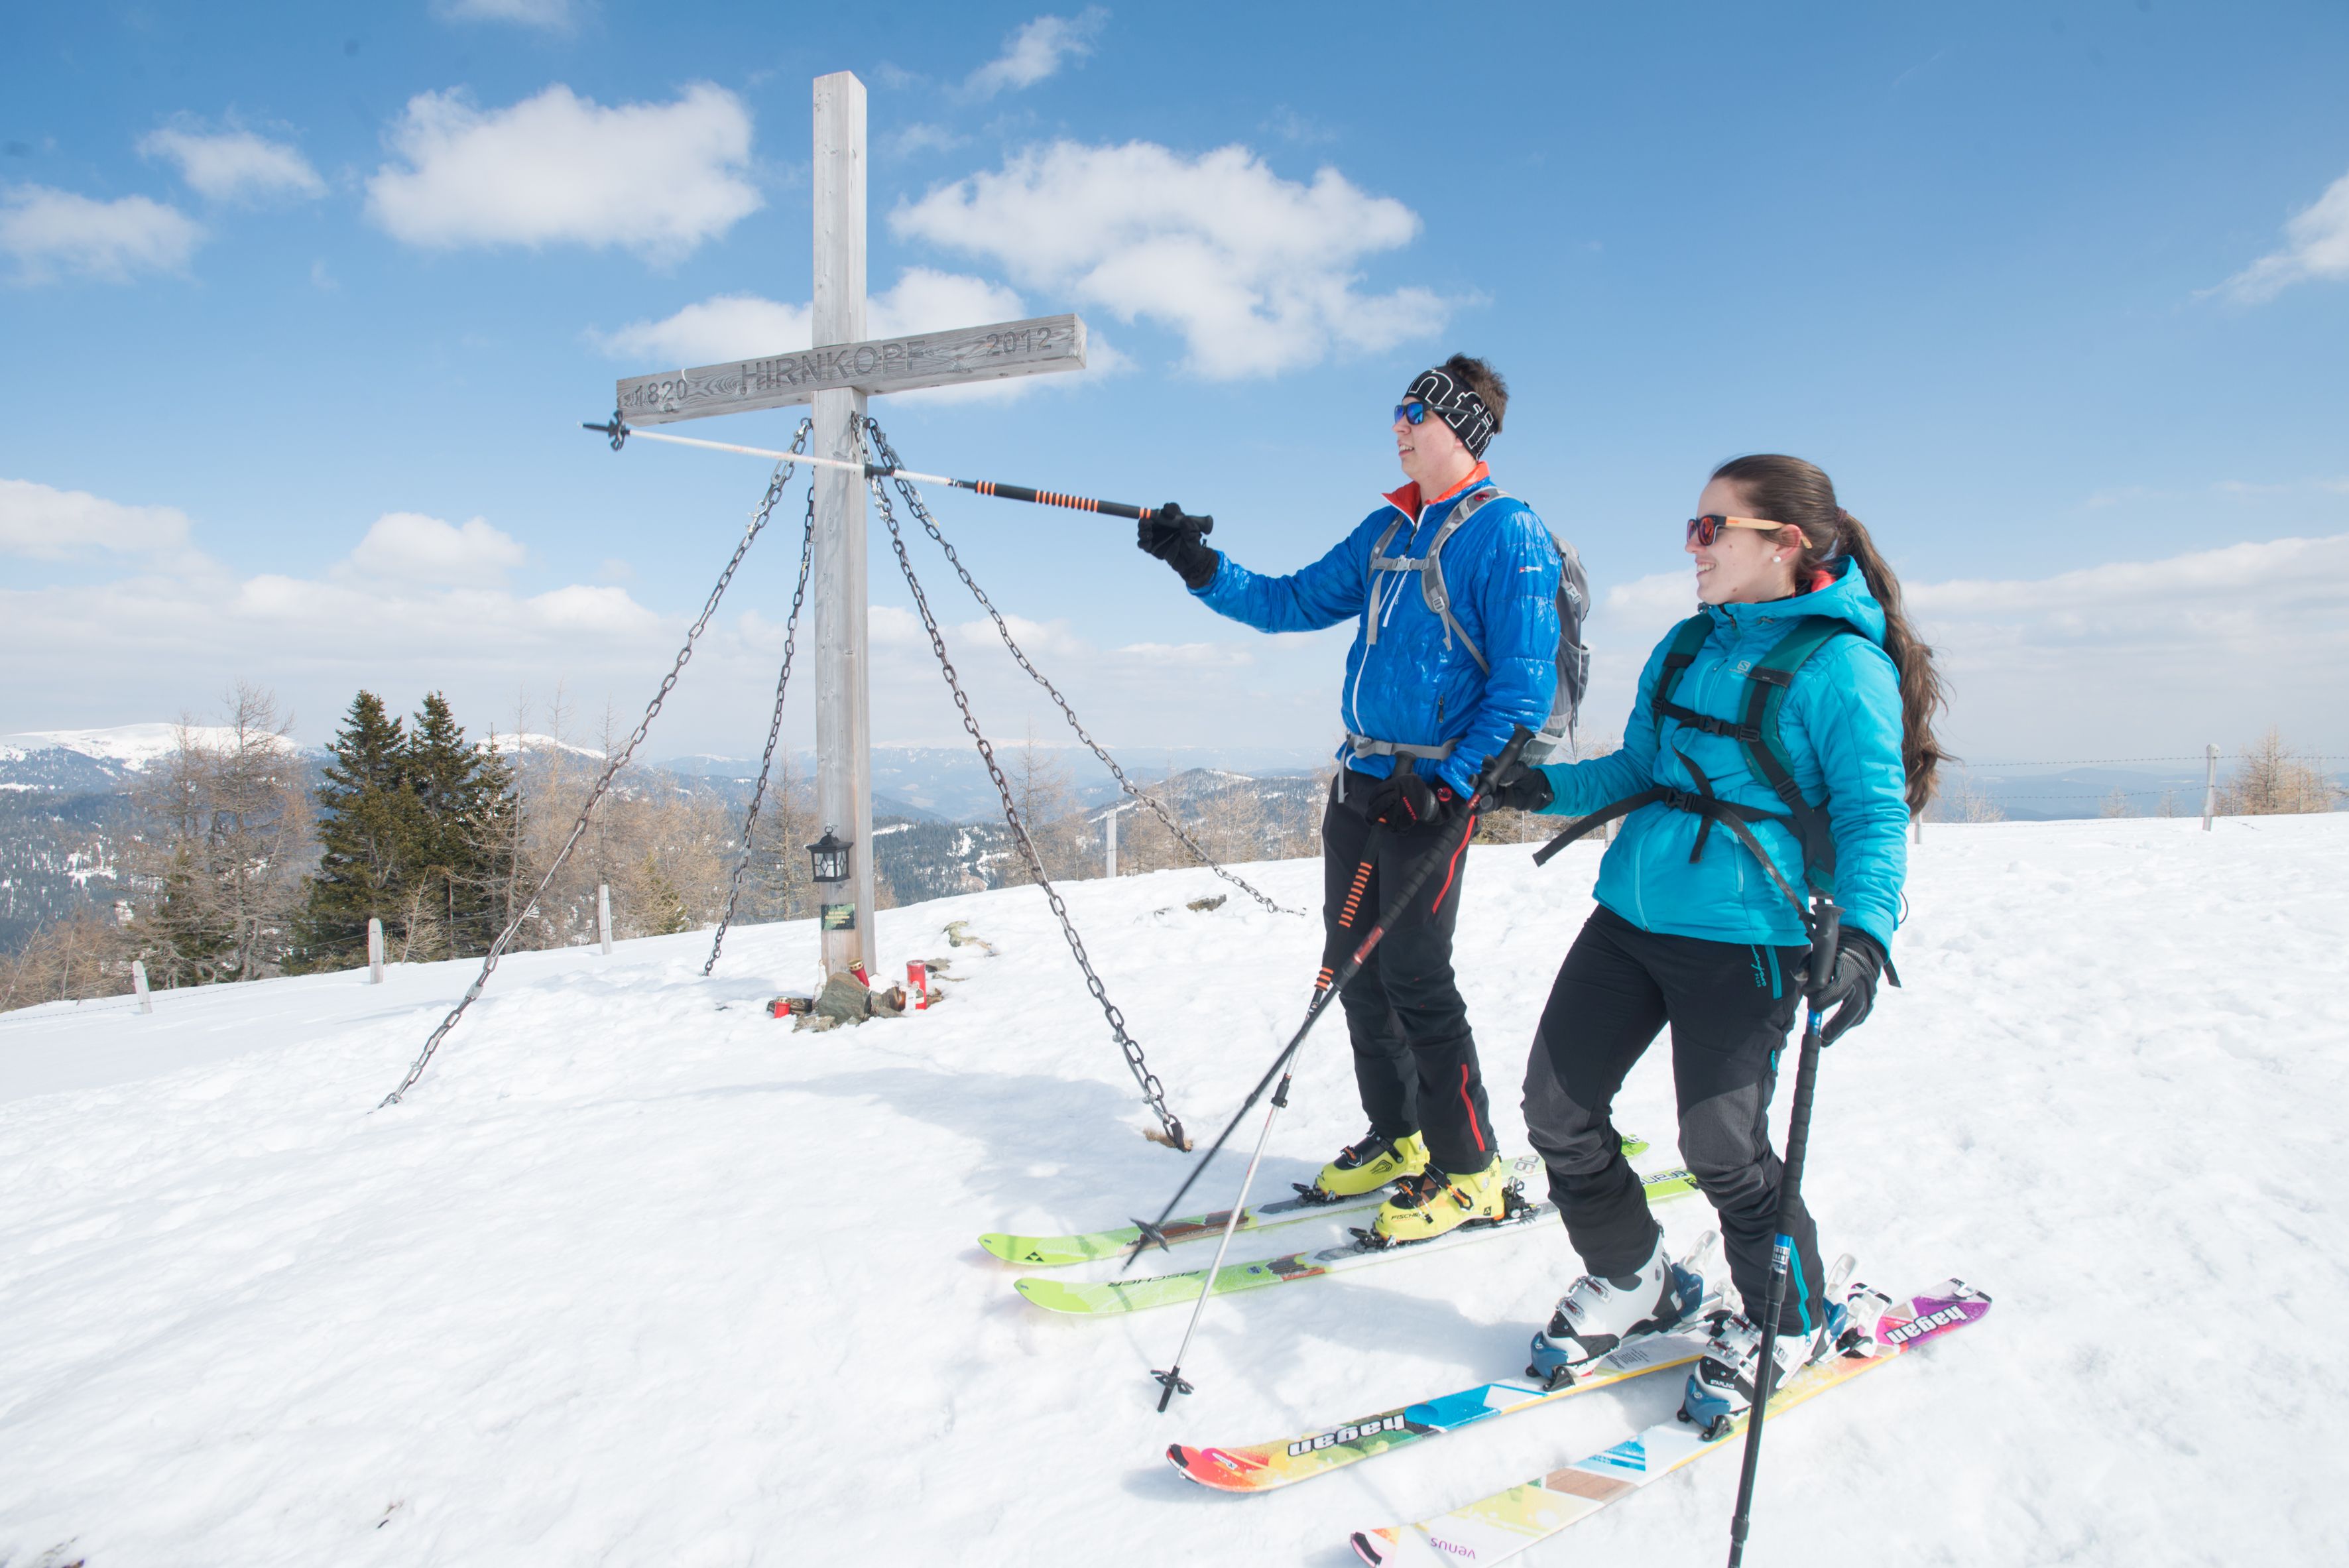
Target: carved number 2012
1035	339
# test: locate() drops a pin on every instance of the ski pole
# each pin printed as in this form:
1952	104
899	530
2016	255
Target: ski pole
620	430
1826	922
1171	1381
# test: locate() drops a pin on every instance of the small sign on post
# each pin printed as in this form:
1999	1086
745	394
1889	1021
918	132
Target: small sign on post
603	916
2211	786
139	983
374	951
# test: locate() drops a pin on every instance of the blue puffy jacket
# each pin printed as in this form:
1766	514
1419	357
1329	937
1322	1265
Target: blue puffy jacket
1417	685
1840	728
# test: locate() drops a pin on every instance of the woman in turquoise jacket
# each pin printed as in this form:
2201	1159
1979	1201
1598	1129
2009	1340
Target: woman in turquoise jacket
1694	929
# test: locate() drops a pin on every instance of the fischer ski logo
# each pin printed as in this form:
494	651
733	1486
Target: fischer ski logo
1918	1327
1358	1430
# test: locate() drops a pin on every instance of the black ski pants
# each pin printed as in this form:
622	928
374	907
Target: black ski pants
1414	1058
1730	1005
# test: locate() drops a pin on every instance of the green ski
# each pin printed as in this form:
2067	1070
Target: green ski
1100	1298
1058	1252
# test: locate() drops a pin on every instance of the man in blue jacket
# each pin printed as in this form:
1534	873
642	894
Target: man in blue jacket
1445	664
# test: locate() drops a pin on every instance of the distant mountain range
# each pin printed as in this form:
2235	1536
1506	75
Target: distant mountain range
938	824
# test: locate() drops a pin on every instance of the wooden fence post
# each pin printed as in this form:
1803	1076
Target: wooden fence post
374	951
139	983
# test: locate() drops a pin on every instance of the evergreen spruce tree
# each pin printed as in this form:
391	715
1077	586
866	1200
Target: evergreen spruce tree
464	796
372	835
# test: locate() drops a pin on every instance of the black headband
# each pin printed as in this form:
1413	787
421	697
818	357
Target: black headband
1458	406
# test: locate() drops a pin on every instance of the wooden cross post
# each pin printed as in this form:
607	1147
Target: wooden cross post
836	376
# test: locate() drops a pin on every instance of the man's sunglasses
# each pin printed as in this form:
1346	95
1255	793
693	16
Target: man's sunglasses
1704	530
1410	412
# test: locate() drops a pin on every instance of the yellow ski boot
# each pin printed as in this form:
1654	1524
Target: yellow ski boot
1433	1203
1367	1166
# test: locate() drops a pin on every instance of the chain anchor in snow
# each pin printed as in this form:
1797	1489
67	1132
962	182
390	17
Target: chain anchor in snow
758	516
1153	1093
774	724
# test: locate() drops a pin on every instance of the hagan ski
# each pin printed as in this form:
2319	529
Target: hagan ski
1058	1252
1100	1298
1508	1522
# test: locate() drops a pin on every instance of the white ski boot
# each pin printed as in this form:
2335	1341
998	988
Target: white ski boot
1721	1387
1596	1315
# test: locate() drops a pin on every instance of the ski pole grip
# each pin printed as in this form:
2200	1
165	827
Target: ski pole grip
1512	751
1826	941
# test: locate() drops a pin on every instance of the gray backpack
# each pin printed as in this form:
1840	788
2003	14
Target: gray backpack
1557	737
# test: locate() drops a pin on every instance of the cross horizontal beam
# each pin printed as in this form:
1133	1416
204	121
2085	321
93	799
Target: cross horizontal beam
961	357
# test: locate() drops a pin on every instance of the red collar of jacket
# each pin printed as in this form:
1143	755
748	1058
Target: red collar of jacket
1406	500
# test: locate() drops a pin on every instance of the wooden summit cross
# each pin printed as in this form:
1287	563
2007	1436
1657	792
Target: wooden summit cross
836	376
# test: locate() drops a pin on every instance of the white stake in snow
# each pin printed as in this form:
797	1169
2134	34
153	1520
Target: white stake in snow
603	916
2211	786
139	983
374	951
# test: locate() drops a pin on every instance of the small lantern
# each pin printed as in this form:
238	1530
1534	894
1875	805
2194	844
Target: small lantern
830	855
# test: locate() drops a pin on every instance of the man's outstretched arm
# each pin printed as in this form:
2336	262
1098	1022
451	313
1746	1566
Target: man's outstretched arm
1325	594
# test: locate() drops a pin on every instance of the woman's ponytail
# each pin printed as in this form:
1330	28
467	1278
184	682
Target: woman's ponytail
1790	491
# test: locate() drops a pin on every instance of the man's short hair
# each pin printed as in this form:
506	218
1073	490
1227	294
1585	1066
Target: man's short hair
1485	380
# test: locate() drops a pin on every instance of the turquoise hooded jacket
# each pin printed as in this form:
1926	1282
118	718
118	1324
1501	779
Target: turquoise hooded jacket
1840	728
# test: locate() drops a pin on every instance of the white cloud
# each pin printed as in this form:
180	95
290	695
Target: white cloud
550	16
2131	658
413	547
2316	247
721	327
50	231
558	169
234	165
1258	272
48	524
921	136
1036	51
418	606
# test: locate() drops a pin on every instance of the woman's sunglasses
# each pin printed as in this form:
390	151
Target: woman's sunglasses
1704	530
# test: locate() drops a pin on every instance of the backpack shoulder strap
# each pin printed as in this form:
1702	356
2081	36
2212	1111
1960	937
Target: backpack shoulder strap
1431	581
1688	640
1766	694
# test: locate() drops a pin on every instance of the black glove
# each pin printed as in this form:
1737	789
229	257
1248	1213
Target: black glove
1518	785
1177	538
1404	802
1851	987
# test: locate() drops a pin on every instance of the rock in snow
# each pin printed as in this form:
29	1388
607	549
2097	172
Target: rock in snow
639	1274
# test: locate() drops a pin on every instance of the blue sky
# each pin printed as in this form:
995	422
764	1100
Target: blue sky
303	309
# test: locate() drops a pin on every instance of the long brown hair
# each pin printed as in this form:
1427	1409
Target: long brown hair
1799	494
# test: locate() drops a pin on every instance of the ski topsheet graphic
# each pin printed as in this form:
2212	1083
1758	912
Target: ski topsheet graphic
1096	1297
1058	1252
1508	1522
1264	1466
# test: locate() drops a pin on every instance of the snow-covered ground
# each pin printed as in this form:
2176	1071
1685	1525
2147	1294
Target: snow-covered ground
640	1275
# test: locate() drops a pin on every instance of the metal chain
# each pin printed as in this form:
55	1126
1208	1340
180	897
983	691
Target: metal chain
497	949
774	725
888	455
1153	1091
